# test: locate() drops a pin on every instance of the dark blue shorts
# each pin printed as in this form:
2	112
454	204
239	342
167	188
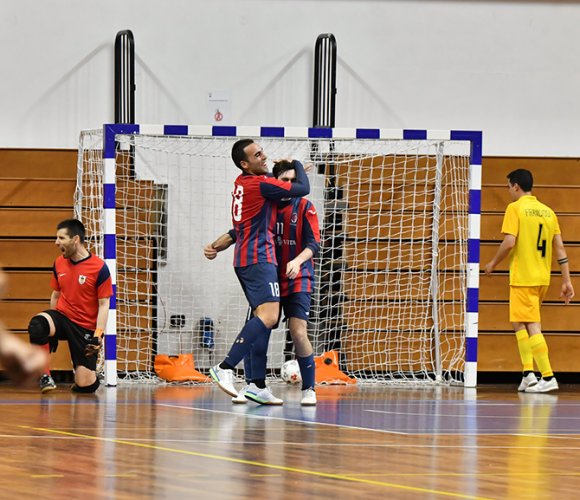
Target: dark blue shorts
296	305
260	283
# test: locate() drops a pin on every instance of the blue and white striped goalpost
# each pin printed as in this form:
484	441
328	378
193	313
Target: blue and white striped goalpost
474	138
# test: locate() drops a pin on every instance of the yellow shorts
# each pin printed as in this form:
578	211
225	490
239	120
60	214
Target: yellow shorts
525	302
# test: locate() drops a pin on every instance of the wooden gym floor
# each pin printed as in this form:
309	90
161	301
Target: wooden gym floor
142	441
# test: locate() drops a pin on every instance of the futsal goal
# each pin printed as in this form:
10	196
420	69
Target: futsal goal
397	274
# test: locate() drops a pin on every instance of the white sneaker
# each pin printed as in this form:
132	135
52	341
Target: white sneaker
240	399
308	397
224	379
544	386
262	396
527	381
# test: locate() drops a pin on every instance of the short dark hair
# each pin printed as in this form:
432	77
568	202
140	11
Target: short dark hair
74	227
282	166
522	178
238	153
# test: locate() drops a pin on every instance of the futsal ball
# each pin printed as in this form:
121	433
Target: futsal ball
290	372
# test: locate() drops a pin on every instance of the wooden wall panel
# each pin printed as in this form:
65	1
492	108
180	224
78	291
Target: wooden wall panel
547	171
34	253
366	350
16	314
499	352
39	163
27	285
19	222
37	192
561	199
491	227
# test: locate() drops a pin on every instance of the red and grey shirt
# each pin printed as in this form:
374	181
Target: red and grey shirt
81	284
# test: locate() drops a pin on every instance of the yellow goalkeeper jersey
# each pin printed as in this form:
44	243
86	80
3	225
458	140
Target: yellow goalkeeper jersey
534	226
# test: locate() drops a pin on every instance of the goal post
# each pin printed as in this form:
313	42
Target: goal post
397	275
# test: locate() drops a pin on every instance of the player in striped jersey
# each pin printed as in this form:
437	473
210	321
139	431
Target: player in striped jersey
79	307
254	209
531	232
297	242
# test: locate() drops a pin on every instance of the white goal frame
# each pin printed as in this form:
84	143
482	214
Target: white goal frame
109	219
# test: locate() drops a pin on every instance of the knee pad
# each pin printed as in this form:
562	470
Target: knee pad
39	330
88	389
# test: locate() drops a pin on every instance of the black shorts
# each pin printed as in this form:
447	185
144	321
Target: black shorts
77	337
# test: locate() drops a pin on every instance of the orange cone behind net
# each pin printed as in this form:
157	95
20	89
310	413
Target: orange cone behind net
180	368
327	371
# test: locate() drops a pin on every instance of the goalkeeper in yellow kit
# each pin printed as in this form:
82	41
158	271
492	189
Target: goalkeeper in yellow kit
531	234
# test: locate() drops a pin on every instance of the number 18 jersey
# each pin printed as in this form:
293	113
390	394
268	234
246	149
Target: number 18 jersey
534	226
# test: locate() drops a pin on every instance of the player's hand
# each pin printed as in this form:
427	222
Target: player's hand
23	362
94	347
308	167
292	269
567	292
488	269
210	252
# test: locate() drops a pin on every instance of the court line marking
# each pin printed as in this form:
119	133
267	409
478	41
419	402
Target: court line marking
464	415
268	417
442	432
340	477
337	445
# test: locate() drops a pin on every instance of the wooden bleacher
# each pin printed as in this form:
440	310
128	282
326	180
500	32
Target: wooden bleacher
366	289
36	192
37	188
557	183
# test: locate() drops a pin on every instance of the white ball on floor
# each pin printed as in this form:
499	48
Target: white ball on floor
290	372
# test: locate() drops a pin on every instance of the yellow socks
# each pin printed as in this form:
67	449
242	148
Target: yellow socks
540	351
525	350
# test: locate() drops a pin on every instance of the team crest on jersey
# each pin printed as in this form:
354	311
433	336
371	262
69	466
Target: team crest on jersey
82	279
294	218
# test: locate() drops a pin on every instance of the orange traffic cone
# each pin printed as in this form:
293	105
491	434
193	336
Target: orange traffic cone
178	368
327	371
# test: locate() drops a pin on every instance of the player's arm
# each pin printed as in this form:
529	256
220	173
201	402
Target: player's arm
54	296
102	316
222	243
566	290
275	190
509	241
104	294
23	362
293	267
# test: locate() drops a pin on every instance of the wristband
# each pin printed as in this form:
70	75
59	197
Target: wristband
563	261
99	332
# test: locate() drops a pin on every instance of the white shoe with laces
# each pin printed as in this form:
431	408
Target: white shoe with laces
308	397
240	399
262	396
544	386
528	381
224	379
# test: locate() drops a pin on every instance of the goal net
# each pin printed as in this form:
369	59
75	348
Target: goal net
392	274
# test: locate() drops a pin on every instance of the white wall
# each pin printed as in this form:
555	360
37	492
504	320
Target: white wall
511	69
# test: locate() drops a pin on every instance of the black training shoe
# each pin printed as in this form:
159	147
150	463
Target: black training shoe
46	384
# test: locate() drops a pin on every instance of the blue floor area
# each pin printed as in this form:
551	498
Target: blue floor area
433	410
